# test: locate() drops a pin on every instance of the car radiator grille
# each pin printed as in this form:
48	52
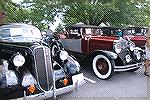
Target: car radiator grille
123	54
43	67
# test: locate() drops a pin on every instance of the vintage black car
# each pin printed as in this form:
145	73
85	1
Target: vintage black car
28	69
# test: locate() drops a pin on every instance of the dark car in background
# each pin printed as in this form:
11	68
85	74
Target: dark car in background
27	68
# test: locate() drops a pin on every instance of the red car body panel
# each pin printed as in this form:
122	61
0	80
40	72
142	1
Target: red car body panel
139	41
101	43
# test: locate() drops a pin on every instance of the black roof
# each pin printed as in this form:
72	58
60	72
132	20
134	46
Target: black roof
16	25
82	26
136	27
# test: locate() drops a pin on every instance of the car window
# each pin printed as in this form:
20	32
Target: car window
75	31
1	33
88	31
16	32
95	31
5	33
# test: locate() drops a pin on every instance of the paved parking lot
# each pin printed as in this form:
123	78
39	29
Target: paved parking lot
123	85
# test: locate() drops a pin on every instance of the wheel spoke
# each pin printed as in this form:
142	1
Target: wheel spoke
102	66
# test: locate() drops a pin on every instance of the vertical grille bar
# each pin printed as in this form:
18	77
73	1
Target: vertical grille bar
43	67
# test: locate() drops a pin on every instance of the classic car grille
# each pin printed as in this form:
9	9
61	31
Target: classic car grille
122	55
43	67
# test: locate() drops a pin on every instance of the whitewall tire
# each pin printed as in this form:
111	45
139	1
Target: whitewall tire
103	66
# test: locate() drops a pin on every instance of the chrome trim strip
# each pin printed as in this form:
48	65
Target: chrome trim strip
128	67
119	70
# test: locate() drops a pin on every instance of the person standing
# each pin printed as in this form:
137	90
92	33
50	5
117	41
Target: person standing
49	31
147	59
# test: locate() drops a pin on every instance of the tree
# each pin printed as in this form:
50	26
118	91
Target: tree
38	13
59	29
118	13
2	10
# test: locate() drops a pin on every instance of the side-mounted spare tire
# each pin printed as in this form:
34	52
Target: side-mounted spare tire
103	66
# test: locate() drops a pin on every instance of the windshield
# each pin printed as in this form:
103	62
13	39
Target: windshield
133	32
20	34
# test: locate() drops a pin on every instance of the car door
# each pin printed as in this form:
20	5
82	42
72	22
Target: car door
73	41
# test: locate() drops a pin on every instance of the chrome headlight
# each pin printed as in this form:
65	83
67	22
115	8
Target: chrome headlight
18	60
63	55
137	54
117	47
131	45
128	58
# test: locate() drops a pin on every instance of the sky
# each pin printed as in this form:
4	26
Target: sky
54	26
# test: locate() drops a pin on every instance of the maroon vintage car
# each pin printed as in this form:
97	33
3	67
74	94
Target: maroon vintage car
108	52
137	35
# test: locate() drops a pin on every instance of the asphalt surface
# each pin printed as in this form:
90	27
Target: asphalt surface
121	86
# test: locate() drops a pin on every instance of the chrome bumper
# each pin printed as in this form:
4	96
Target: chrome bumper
128	67
78	80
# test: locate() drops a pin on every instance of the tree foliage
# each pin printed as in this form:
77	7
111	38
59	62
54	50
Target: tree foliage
59	29
40	13
118	13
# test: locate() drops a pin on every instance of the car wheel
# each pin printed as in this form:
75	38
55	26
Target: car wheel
103	66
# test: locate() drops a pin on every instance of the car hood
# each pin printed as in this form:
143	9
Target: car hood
138	40
106	38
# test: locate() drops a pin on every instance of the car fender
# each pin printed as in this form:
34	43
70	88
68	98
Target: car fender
111	54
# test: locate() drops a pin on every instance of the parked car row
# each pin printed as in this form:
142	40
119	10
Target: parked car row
31	68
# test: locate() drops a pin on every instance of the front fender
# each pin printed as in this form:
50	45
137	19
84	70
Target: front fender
111	54
28	79
7	77
72	65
